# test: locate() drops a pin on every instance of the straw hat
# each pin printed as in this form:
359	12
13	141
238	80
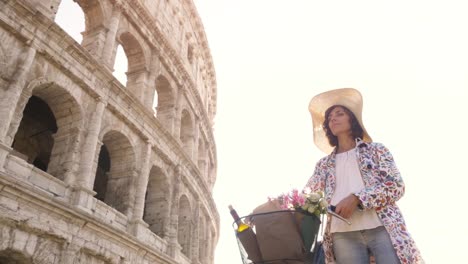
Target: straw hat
348	97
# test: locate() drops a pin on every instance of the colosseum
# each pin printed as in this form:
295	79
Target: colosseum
93	170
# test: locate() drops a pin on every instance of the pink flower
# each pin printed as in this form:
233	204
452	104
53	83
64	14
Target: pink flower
305	200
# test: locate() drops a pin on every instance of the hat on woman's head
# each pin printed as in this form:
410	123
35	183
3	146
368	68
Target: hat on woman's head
347	97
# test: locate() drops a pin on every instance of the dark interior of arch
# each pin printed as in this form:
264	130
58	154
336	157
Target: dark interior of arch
13	257
102	170
34	137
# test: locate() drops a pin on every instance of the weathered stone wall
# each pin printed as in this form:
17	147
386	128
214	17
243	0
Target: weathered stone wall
123	183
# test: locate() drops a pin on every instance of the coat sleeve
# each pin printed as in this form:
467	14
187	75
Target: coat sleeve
316	182
388	187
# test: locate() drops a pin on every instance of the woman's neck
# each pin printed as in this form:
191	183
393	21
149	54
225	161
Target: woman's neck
345	144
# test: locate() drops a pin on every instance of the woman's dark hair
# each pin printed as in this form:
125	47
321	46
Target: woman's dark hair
356	129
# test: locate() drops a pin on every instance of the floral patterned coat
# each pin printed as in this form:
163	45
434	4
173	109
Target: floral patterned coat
383	187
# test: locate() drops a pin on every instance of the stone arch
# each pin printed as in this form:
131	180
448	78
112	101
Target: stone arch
133	51
184	227
74	27
120	65
19	108
34	138
9	256
64	111
94	34
110	124
93	11
157	202
164	102
20	245
186	131
137	62
115	171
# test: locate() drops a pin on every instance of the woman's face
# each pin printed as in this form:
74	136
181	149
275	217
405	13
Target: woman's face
339	121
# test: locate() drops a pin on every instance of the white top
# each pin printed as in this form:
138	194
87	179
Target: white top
348	181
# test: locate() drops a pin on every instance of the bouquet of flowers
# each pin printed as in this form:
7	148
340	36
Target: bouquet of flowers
310	206
305	201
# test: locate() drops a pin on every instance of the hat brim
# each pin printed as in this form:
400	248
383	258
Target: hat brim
347	97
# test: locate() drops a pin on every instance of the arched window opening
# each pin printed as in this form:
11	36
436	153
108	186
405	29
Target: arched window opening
34	137
39	163
164	102
71	19
119	162
155	103
134	52
102	173
190	54
120	66
14	257
156	212
184	227
136	64
44	128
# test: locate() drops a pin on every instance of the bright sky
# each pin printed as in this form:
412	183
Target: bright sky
408	58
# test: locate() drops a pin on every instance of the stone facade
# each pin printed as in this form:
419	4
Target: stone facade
90	171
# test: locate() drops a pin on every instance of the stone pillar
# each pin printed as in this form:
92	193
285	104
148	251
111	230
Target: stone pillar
202	168
69	254
195	234
174	247
143	181
109	44
96	161
138	82
150	89
4	151
64	153
211	171
94	40
83	185
202	238
138	224
9	96
196	139
191	145
167	115
129	200
148	94
71	167
178	113
17	116
209	244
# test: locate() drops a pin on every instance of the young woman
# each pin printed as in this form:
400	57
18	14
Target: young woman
360	178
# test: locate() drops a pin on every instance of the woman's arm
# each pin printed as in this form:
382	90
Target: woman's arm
390	187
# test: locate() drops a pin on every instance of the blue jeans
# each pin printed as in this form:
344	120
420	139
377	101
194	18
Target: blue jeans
355	247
